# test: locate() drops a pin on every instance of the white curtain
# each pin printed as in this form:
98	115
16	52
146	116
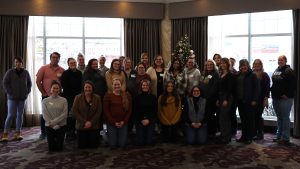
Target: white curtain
33	107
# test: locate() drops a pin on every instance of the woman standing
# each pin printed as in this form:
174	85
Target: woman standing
283	93
141	75
191	75
264	81
115	72
156	73
17	85
145	110
247	92
71	82
93	74
209	87
169	112
87	109
55	112
195	118
130	75
145	60
225	100
217	58
117	113
175	74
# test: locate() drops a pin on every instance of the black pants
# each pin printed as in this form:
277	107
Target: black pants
71	121
55	138
233	117
212	123
169	133
88	138
247	115
259	121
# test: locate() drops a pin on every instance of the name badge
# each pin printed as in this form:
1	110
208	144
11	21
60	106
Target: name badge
161	75
209	76
133	76
191	76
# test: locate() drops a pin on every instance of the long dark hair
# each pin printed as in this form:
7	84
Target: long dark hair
171	69
89	65
111	69
226	61
165	95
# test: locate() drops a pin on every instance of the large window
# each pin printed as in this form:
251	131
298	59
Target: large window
71	35
263	35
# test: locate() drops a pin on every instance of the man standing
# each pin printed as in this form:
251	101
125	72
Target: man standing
103	69
283	91
81	64
44	78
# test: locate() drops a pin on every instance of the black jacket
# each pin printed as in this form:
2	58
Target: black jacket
71	82
251	88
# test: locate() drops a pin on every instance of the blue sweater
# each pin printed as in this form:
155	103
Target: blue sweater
17	84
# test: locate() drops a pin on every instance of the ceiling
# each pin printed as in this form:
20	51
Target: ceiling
145	1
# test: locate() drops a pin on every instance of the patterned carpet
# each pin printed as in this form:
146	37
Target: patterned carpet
31	153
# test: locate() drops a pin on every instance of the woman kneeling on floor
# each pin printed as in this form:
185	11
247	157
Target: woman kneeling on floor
55	111
195	118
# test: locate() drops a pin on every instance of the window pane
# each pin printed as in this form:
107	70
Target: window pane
235	24
236	48
271	22
108	47
103	27
66	47
38	22
39	53
64	26
269	48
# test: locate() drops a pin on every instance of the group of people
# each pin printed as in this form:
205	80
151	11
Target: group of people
80	100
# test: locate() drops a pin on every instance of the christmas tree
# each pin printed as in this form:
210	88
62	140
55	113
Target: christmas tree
183	49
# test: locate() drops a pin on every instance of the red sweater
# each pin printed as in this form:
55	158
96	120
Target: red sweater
113	108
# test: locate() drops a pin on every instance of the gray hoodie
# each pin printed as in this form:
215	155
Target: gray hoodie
17	85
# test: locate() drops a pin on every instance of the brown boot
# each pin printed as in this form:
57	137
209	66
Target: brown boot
17	136
4	137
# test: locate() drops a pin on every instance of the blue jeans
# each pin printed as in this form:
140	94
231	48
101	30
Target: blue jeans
282	109
14	107
117	136
144	134
196	136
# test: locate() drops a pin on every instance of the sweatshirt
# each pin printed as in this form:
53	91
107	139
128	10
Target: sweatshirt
55	110
17	84
284	82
